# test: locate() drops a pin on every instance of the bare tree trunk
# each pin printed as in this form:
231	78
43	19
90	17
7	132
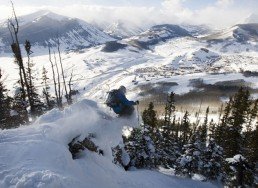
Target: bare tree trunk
62	69
70	88
17	52
54	78
22	85
58	82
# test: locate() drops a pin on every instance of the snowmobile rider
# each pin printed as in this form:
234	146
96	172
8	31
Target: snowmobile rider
123	107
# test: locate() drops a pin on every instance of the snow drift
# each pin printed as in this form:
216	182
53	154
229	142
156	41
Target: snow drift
38	155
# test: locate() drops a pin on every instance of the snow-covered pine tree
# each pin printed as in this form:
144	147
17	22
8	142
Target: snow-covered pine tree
213	160
19	111
191	161
141	148
238	172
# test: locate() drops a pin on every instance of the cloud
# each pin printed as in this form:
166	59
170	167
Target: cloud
222	13
224	3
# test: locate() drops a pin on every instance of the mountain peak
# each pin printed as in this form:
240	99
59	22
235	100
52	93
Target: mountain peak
35	16
252	18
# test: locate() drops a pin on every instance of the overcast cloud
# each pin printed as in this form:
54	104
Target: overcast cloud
218	13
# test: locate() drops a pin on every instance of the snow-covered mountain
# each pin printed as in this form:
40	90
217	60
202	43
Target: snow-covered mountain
252	18
239	33
197	30
123	30
157	34
43	28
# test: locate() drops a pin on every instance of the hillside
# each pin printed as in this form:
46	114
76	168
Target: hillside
38	155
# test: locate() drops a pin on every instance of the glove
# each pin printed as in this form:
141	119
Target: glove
136	102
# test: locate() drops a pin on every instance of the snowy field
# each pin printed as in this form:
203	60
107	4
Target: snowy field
178	60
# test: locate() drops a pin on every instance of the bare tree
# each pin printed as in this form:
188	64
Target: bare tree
58	102
67	96
58	82
13	27
70	87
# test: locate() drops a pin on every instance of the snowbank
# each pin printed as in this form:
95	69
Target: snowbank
38	155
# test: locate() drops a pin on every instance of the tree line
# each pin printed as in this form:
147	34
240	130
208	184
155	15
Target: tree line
225	151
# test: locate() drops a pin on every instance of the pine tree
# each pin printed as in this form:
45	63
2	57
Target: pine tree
251	145
5	106
149	116
240	108
37	107
167	142
220	131
212	129
213	160
50	102
238	172
141	148
190	162
203	130
169	109
185	128
19	109
252	115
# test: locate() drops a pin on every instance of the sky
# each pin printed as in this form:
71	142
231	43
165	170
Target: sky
216	13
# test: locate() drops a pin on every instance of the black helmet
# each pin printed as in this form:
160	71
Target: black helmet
122	89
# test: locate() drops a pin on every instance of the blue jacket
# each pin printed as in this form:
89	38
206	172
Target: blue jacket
124	102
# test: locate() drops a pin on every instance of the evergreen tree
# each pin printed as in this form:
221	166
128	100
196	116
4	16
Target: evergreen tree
229	133
220	130
238	172
149	116
19	109
36	105
190	162
213	160
50	102
251	145
167	142
5	106
141	148
212	129
203	130
185	128
169	110
252	115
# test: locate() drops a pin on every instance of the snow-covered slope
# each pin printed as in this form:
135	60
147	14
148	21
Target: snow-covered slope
157	34
123	30
252	18
44	27
240	33
38	155
197	30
